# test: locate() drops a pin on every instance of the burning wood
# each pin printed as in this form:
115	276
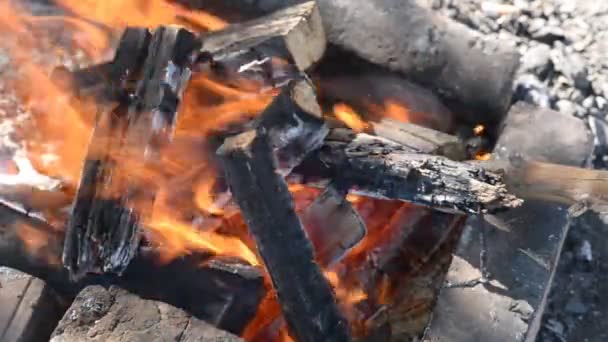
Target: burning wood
103	231
306	298
109	81
294	35
382	168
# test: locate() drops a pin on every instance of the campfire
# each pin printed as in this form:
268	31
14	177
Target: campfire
238	172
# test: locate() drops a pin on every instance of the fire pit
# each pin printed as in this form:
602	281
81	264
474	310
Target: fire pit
274	179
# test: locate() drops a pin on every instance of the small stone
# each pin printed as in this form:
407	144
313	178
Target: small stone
548	34
572	66
589	102
537	60
566	107
584	251
600	102
531	90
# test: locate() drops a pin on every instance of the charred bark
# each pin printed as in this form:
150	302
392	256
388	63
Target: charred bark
381	168
103	230
305	295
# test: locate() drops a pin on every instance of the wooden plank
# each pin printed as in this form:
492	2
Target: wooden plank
306	297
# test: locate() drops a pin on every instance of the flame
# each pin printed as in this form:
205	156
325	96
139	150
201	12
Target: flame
483	155
349	117
117	14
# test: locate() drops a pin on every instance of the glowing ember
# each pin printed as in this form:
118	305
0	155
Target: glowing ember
483	156
479	130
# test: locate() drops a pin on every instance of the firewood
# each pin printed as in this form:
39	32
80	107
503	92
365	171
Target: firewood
422	139
305	295
103	231
333	225
221	291
294	35
382	168
108	81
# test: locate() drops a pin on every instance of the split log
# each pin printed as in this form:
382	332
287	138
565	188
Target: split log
381	168
113	314
305	295
109	81
223	292
103	231
294	35
473	74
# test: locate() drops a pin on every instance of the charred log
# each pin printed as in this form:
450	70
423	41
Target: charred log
381	168
294	35
103	231
305	295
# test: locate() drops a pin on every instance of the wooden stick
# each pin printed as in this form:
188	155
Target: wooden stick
306	297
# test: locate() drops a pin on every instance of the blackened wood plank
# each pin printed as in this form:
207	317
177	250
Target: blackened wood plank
103	232
305	295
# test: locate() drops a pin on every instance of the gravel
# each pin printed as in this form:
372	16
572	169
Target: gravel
564	45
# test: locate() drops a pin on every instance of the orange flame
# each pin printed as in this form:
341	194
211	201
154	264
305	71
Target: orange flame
118	14
346	114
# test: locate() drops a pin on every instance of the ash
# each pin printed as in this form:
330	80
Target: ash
564	66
